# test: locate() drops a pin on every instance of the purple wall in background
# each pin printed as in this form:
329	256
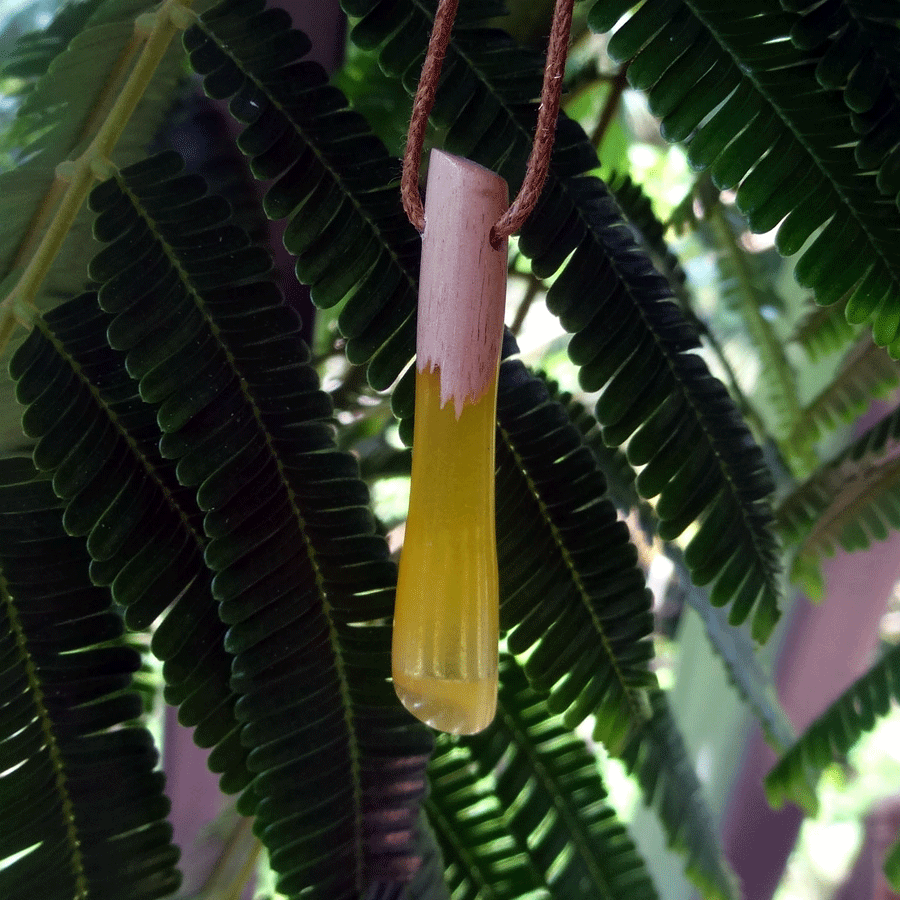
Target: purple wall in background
827	647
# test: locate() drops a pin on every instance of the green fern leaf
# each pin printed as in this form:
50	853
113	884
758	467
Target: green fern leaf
55	120
35	50
650	231
730	88
482	858
333	179
301	577
855	47
834	732
552	796
731	645
620	477
697	453
824	330
738	655
656	755
866	374
583	616
81	805
866	508
144	531
848	502
892	865
742	292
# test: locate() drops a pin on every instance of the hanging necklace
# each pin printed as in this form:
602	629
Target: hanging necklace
446	618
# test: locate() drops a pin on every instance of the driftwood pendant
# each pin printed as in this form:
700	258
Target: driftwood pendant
446	621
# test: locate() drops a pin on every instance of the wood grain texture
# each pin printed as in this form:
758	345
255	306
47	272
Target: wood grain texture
462	284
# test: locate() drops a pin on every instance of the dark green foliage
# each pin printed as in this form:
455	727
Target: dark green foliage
333	178
35	50
747	673
834	732
77	773
856	48
866	374
584	617
618	473
848	502
658	758
184	428
730	90
680	423
552	798
481	857
824	330
144	531
649	230
300	576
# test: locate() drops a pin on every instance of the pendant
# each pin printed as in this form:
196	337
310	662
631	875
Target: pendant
446	620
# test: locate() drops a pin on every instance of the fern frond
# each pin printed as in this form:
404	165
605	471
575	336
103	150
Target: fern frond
64	110
891	865
697	454
865	509
552	798
301	577
740	659
144	531
824	330
587	614
82	807
866	374
727	81
656	755
732	645
620	477
848	502
482	858
834	732
650	231
606	280
34	51
742	291
855	47
571	592
333	179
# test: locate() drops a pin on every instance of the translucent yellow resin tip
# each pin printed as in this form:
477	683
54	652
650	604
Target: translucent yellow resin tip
446	617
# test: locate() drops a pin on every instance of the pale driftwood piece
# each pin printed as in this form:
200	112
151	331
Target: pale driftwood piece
462	282
446	618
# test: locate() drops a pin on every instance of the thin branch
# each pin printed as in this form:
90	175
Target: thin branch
156	30
533	289
611	107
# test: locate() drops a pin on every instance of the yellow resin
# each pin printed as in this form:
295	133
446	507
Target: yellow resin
446	620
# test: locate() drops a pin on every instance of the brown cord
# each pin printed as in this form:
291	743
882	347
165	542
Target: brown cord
539	159
422	106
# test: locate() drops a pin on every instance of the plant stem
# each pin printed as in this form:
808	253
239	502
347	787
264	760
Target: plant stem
93	163
534	287
611	107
